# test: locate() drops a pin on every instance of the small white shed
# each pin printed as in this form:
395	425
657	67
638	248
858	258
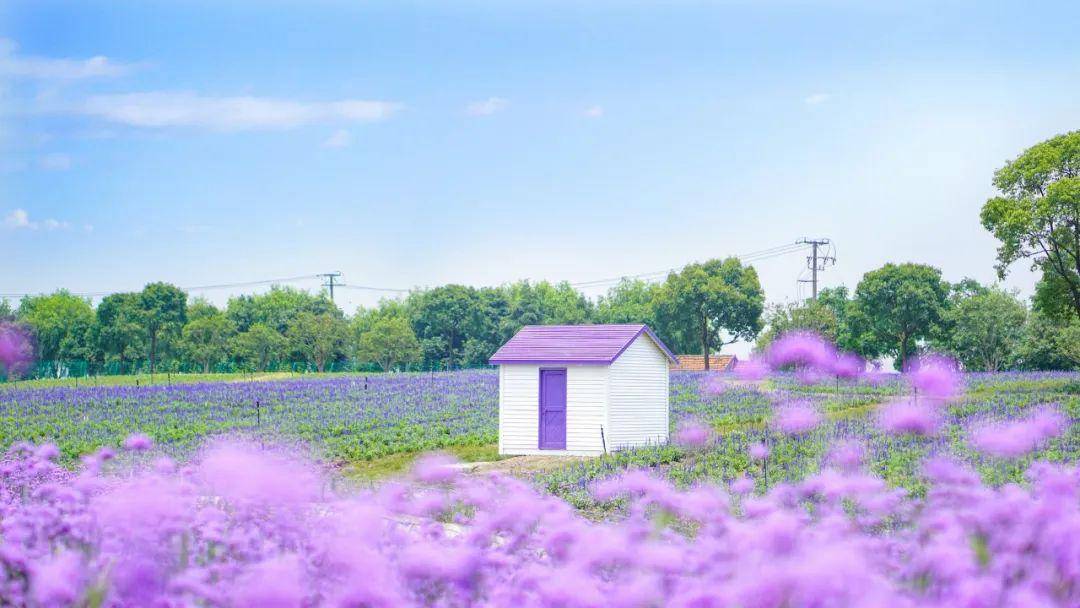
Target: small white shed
582	389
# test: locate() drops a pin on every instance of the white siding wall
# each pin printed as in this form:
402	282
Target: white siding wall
638	412
519	409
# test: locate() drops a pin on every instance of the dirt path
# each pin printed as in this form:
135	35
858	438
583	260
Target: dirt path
522	466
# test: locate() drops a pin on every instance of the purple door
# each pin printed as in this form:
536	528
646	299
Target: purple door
553	409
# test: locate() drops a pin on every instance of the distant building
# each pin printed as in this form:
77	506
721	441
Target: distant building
582	389
696	363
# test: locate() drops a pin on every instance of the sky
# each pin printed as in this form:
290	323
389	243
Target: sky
409	144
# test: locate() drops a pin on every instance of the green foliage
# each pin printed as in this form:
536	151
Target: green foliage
119	331
629	301
258	346
161	310
277	308
62	323
389	342
1049	344
206	338
710	304
897	307
321	338
986	329
1037	217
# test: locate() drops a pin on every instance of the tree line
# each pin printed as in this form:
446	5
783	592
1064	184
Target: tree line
895	311
160	328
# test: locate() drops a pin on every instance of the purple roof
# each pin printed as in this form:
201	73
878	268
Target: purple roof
583	344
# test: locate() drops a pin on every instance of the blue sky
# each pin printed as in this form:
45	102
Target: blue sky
419	143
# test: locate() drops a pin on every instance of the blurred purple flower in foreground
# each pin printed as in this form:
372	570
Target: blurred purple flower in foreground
241	526
692	434
935	377
138	442
16	348
803	349
904	417
796	418
1015	439
750	370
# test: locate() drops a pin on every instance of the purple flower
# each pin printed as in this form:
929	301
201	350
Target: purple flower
138	442
909	418
935	377
759	451
797	418
692	434
804	349
1015	439
751	370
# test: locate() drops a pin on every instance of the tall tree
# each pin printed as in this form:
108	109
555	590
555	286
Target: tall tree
629	301
986	329
162	312
1037	216
718	302
443	319
389	342
258	346
899	305
319	337
205	339
62	324
119	331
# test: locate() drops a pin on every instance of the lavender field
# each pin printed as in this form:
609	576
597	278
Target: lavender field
339	417
779	489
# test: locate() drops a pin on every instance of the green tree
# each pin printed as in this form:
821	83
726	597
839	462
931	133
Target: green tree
443	319
319	337
1037	215
205	339
629	301
986	329
277	308
389	342
258	346
62	324
812	315
1049	344
717	302
200	308
896	307
162	313
120	335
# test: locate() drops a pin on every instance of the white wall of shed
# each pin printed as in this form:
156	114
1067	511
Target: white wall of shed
639	410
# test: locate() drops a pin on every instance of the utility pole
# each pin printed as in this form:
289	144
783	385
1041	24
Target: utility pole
816	262
329	284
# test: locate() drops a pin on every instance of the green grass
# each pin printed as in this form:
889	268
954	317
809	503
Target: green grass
396	464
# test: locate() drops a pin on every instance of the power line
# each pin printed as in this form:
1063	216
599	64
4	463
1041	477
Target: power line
95	294
753	256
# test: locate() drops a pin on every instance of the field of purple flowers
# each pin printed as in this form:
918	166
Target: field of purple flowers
781	490
341	417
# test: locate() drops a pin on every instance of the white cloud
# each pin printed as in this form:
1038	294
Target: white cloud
816	98
45	68
55	162
338	139
487	107
19	219
184	109
594	111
